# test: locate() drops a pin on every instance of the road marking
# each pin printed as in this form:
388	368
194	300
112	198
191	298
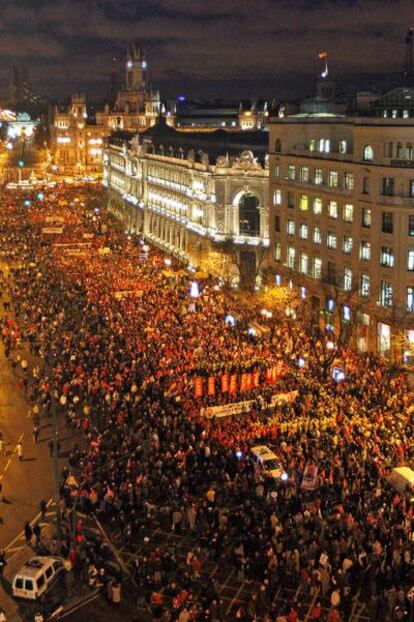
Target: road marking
235	598
36	518
7	465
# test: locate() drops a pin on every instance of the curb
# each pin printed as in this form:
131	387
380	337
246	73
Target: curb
64	611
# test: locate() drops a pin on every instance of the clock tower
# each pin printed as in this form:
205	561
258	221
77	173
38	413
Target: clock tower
136	68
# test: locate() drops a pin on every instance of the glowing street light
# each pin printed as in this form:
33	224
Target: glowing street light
167	261
194	289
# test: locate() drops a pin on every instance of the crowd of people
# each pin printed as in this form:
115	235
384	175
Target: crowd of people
124	345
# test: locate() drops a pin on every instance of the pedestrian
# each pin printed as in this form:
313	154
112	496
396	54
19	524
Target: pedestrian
3	563
36	433
2	447
19	449
37	530
28	533
42	507
1	493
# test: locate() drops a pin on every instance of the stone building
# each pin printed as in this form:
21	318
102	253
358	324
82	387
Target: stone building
342	219
202	197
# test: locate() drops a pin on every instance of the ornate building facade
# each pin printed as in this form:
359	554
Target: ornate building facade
342	221
76	140
193	195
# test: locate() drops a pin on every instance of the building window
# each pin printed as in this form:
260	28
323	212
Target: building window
317	268
348	212
277	171
410	262
405	114
364	285
304	173
411	188
333	179
333	209
249	215
365	185
278	145
346	313
385	294
277	222
409	151
303	263
365	250
387	257
347	279
349	181
277	196
324	145
384	339
290	227
388	186
410	299
304	202
387	222
342	146
366	217
318	178
331	275
411	225
312	144
368	153
317	206
291	172
317	235
303	232
347	244
399	151
291	257
278	251
331	240
291	199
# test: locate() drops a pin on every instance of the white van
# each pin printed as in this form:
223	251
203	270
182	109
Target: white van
401	477
263	456
36	576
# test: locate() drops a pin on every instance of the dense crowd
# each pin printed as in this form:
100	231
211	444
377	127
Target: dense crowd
123	342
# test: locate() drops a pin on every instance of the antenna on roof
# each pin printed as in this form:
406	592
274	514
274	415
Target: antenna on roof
408	70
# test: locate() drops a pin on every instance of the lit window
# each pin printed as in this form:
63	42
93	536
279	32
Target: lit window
304	202
317	268
394	114
291	172
317	206
349	181
303	263
387	257
405	114
410	298
333	179
348	212
368	153
278	251
342	146
278	279
290	227
303	292
346	313
331	240
312	144
317	235
291	257
347	279
347	244
304	173
277	171
365	250
411	225
333	209
385	294
303	232
318	178
277	196
364	285
330	304
410	263
366	217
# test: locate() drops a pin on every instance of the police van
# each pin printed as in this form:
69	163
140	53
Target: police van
36	576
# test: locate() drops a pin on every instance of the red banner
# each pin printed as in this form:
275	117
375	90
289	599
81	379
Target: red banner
224	383
233	384
249	382
256	379
198	386
243	383
211	385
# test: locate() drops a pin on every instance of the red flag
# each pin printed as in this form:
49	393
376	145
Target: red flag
198	386
224	383
211	385
233	384
249	381
243	383
331	477
256	379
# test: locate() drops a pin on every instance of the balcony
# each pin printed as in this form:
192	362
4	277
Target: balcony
396	201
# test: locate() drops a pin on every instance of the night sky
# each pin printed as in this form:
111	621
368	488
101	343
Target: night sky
205	48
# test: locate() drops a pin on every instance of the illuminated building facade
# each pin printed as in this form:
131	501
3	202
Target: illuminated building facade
342	220
190	193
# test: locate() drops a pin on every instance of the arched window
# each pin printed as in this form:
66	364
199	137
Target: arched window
368	153
249	215
278	145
